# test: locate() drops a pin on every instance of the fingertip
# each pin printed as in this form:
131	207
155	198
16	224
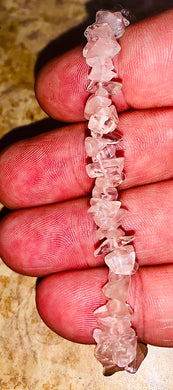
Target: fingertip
61	84
5	243
66	302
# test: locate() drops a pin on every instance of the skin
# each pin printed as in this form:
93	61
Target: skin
43	181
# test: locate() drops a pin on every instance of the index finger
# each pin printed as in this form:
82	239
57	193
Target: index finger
144	66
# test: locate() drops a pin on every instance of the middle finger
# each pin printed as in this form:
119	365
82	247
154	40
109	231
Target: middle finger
52	167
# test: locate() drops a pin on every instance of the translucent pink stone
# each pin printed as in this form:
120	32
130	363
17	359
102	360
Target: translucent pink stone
109	181
114	308
104	121
107	193
113	350
102	69
106	247
126	240
94	103
105	213
94	145
118	235
101	336
97	30
108	152
112	232
106	206
117	289
112	87
121	260
104	221
141	353
102	47
101	91
88	47
101	73
114	326
108	168
126	350
97	62
117	308
115	20
103	353
102	311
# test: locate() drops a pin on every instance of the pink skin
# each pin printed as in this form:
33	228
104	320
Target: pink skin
59	238
144	66
48	162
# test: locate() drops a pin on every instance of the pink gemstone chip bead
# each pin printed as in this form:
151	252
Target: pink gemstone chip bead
117	347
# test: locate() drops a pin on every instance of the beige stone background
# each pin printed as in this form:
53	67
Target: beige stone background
31	356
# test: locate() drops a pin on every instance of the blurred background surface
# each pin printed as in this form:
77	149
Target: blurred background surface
31	356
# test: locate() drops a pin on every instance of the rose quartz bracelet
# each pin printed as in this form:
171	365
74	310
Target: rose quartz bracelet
117	347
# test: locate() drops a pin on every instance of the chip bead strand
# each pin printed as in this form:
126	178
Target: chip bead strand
117	347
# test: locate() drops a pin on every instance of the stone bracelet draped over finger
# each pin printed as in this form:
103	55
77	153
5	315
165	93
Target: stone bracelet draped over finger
117	347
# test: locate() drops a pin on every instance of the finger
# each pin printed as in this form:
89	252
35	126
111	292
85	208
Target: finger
144	66
66	303
44	169
52	167
61	237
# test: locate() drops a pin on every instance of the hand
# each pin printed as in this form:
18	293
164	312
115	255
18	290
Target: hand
44	181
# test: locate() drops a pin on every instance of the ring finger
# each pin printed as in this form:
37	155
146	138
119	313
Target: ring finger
60	237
